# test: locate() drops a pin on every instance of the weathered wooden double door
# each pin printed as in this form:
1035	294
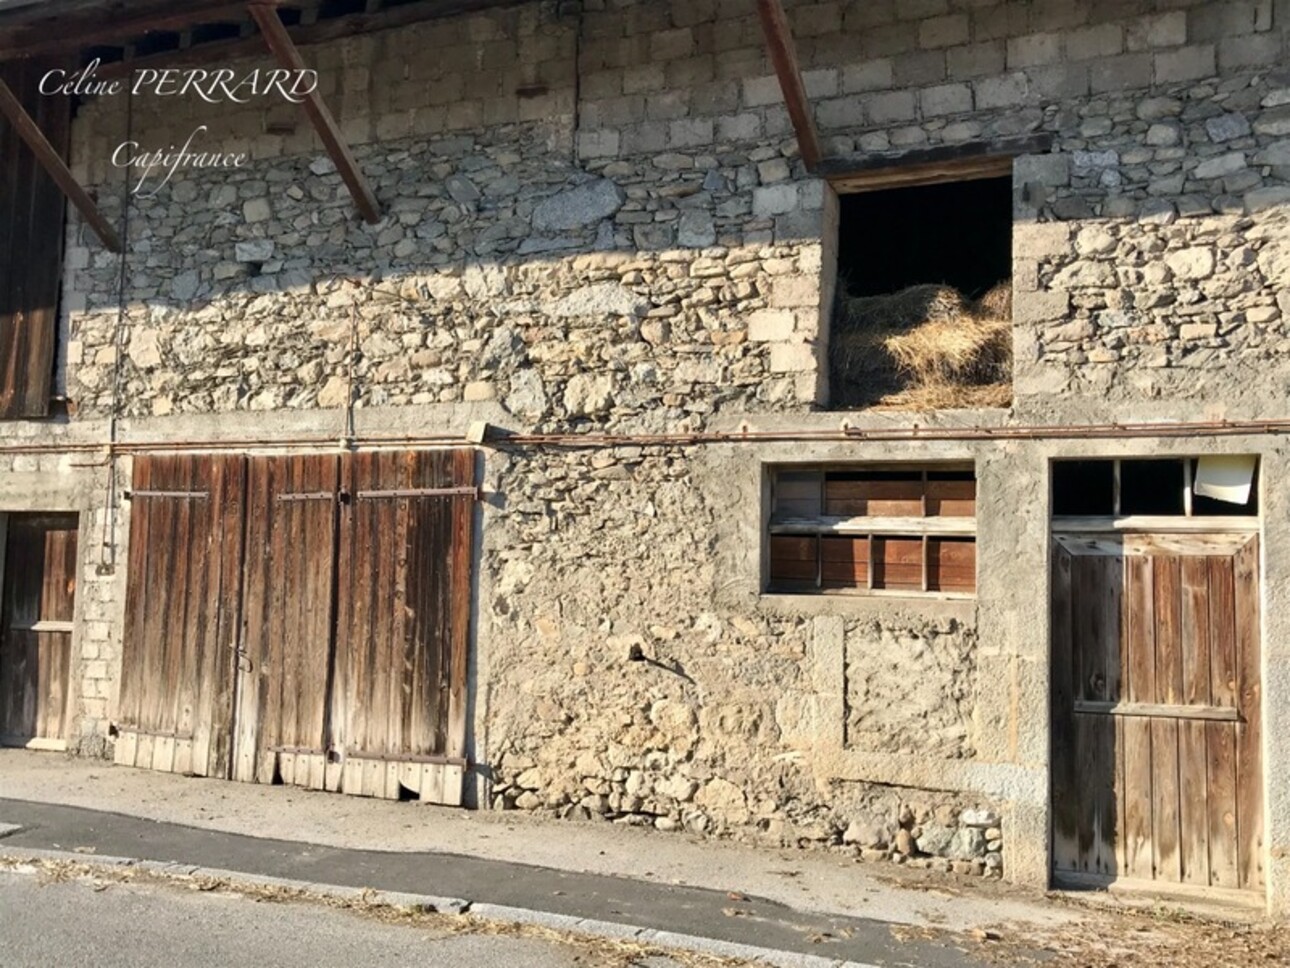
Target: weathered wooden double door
301	619
1156	709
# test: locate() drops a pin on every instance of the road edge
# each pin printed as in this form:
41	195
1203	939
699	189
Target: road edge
610	930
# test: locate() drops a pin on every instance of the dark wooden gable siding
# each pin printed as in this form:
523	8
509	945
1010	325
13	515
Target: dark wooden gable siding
31	247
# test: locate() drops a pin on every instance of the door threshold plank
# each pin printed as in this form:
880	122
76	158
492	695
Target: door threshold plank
41	743
1129	886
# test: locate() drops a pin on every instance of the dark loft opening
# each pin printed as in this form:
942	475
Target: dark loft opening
958	234
924	310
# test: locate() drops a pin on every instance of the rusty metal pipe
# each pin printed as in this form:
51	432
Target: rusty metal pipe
1163	429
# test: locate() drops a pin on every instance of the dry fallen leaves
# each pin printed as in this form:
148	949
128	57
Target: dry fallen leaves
1115	939
601	952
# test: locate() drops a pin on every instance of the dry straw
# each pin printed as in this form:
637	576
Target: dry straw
927	347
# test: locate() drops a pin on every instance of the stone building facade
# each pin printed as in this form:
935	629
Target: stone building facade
599	236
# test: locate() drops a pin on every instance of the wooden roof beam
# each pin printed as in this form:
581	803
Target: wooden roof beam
783	55
55	35
53	163
284	49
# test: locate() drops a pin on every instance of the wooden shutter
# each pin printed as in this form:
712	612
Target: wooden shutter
36	633
403	624
182	607
31	233
287	619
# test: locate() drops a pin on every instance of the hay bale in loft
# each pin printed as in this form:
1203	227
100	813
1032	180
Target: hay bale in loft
996	303
966	351
924	347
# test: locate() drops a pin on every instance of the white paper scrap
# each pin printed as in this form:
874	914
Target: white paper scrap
1225	478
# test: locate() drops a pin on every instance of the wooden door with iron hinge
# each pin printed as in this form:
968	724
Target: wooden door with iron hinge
403	626
343	628
1157	776
183	596
284	653
39	584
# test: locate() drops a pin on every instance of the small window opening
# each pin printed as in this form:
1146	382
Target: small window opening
207	33
157	42
923	318
340	8
1083	488
873	530
1151	487
103	54
1213	507
1161	487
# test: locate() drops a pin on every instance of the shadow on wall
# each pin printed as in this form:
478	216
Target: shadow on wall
488	245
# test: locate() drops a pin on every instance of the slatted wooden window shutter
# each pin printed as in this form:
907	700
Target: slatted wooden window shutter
32	209
902	529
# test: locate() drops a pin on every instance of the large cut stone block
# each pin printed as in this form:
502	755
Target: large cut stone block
579	207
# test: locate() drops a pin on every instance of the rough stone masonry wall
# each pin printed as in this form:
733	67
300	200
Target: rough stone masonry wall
1156	272
659	287
652	256
715	730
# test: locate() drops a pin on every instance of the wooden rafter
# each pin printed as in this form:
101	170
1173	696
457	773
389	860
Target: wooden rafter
284	49
60	35
80	31
53	163
783	55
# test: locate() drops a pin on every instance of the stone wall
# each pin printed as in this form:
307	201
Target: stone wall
1176	281
602	224
911	690
664	124
674	302
714	727
1168	124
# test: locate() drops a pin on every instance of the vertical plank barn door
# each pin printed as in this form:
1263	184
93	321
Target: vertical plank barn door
403	624
301	619
181	623
284	662
36	629
1156	709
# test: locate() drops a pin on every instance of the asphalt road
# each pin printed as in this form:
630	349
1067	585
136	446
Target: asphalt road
667	907
80	924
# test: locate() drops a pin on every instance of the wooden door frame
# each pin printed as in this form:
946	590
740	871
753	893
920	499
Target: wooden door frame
1163	527
44	744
